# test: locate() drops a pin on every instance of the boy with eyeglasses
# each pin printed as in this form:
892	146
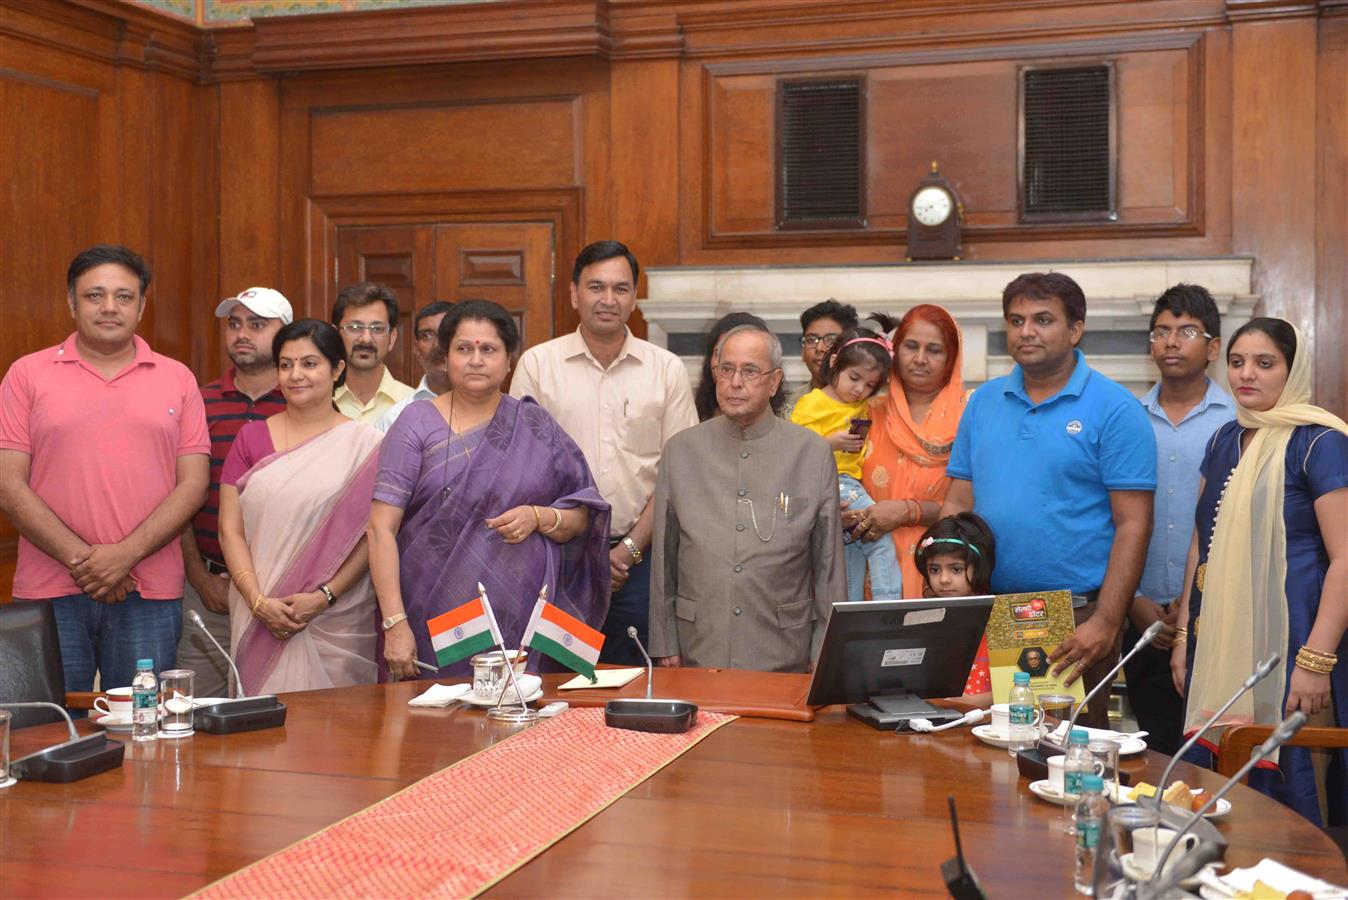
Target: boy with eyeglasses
367	316
1185	408
820	326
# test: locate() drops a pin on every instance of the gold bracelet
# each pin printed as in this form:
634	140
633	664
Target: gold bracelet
1319	654
236	578
538	526
555	525
1311	664
1181	633
257	602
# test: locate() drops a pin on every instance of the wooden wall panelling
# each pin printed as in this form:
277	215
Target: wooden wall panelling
249	160
1331	214
207	335
403	259
1273	147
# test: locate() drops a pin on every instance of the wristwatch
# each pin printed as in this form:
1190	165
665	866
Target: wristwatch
633	549
394	620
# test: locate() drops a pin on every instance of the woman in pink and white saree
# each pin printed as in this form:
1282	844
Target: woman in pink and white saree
295	499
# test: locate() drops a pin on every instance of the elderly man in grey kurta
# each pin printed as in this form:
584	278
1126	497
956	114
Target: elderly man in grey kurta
748	555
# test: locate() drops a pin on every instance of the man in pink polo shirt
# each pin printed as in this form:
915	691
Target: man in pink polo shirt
103	459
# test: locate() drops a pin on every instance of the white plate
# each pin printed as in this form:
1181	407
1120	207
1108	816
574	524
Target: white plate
1134	872
108	723
1222	808
1130	747
474	700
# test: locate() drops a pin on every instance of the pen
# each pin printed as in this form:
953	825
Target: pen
423	665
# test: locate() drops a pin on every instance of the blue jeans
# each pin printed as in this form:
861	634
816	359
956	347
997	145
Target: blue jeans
886	576
631	605
108	638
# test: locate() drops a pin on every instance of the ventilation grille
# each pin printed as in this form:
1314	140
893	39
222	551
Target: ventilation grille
820	170
1067	167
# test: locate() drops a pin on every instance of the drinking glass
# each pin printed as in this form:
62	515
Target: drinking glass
175	718
1106	753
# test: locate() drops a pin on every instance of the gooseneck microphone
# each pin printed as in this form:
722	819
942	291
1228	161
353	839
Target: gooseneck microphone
1260	672
650	667
1281	735
1147	637
238	682
71	760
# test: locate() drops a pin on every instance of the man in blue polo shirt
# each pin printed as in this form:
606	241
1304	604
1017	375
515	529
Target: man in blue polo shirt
1061	462
1185	408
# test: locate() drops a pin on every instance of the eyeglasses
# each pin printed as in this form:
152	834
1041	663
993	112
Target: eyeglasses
823	341
378	329
747	374
1186	332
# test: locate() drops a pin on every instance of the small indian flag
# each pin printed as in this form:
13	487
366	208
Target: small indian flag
563	637
462	631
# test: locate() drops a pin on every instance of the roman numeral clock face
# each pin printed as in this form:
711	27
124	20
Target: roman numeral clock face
932	206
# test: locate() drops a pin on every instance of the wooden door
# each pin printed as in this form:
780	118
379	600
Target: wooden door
509	262
400	257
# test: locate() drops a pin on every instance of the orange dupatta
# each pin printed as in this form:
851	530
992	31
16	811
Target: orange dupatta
907	461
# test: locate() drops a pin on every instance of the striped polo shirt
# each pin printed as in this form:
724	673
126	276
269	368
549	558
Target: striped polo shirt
227	410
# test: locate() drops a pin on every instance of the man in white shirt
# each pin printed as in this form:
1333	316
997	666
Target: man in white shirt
426	348
367	316
620	398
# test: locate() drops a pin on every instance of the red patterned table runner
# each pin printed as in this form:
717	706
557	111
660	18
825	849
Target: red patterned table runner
459	831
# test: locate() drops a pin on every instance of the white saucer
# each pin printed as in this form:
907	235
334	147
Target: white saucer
1133	872
108	723
473	700
992	738
1044	791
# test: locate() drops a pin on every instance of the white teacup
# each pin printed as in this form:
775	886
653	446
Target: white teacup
1056	778
116	703
1149	845
1001	719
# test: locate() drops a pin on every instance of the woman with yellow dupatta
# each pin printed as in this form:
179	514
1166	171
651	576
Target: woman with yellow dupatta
1268	568
913	428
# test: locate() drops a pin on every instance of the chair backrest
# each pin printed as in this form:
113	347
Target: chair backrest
1239	742
30	660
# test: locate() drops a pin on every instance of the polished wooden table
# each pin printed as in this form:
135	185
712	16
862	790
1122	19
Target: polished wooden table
759	808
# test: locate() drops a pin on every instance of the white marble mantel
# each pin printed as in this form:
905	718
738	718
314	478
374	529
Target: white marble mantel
1119	295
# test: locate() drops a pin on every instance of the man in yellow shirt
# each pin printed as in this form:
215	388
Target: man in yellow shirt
367	316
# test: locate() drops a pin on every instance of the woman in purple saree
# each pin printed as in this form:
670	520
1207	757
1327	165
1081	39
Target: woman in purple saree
476	486
294	501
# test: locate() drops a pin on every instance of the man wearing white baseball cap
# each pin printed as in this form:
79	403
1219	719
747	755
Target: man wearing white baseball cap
247	391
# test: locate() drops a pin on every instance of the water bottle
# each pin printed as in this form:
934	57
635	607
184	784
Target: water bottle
1078	764
1024	735
144	702
1090	819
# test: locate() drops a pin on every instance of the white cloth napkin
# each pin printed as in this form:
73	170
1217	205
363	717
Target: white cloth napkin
1275	875
440	695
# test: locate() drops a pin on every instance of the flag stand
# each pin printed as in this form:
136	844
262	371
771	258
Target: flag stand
522	715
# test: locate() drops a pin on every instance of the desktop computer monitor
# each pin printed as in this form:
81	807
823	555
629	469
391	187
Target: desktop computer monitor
883	657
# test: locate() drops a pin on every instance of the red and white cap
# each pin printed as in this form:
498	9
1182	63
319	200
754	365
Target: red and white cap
260	301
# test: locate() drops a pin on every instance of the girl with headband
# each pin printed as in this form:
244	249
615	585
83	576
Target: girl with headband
840	412
956	556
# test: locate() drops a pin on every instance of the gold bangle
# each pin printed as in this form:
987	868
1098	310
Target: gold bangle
1311	651
1181	633
235	578
538	526
556	524
1315	666
257	602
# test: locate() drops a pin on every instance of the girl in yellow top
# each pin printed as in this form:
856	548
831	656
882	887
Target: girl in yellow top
852	372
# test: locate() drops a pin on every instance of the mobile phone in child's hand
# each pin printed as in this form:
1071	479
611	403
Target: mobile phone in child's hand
860	427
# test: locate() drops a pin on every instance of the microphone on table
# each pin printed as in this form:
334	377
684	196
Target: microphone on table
1260	672
195	617
960	880
70	760
1187	867
237	714
636	714
1033	763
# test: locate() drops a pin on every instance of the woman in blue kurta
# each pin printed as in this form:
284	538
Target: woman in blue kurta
1269	567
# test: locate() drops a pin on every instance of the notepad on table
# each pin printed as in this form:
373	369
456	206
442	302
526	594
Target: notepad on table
605	678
